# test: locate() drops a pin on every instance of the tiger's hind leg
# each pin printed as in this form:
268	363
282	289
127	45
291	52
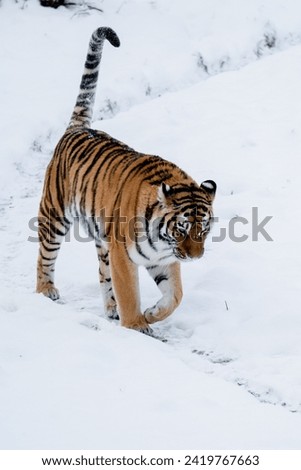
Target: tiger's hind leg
105	280
168	279
52	230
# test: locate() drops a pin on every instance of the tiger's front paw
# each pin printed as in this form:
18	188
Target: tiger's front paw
151	313
139	324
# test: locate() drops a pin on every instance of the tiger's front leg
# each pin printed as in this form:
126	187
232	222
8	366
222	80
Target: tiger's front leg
168	279
126	288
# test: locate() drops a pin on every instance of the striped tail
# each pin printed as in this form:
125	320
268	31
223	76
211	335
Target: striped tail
83	110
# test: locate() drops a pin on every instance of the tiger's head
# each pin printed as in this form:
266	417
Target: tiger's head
186	217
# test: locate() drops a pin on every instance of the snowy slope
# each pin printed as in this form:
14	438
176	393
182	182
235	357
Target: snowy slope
229	375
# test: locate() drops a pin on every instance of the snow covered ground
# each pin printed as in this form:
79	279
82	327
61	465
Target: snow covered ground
215	87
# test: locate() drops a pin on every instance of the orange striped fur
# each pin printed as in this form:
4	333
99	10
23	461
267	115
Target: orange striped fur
140	209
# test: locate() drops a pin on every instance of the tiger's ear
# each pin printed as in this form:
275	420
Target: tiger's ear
164	191
210	187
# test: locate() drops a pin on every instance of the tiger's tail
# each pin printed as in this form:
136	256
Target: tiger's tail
83	110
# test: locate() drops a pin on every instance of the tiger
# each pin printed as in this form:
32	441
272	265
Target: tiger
140	209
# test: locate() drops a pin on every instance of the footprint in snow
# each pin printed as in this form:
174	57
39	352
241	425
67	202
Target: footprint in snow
215	359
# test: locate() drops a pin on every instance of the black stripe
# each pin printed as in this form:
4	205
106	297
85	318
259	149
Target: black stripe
89	80
138	248
160	278
158	177
54	229
165	257
154	266
49	249
150	241
150	209
91	64
59	190
47	259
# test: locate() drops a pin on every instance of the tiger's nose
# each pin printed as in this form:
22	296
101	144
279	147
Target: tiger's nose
195	253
